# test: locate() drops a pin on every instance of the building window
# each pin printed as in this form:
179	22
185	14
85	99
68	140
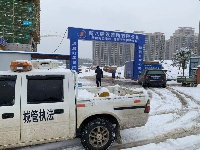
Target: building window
45	89
7	90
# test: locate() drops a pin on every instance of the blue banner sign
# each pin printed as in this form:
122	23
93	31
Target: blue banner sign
152	66
105	36
74	54
2	42
75	34
138	60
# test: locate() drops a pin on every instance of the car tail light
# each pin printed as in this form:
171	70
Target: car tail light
147	107
164	77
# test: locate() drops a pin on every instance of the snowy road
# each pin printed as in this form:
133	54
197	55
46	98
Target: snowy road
173	115
174	119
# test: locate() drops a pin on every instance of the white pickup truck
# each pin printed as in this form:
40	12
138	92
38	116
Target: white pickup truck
39	104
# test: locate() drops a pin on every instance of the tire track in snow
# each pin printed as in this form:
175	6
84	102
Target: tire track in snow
150	92
180	112
159	92
183	100
181	97
187	96
173	134
192	99
177	132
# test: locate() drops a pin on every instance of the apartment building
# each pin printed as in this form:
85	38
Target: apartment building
154	46
183	37
167	49
109	53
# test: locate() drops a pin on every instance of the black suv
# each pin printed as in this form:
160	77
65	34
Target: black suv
152	77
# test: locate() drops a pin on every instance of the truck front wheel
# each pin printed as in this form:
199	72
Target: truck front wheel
98	134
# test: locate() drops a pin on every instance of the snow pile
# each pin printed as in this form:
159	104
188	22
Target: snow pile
173	72
103	89
94	93
104	92
84	94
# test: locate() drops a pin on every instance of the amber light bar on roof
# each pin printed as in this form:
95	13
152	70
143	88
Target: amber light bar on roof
20	66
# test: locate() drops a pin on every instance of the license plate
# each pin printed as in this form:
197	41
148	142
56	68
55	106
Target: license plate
155	77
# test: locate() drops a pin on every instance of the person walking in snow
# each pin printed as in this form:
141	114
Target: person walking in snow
99	75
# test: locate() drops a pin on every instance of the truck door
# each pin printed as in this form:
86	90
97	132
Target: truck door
9	109
44	110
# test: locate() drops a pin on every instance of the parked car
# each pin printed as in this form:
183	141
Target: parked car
152	77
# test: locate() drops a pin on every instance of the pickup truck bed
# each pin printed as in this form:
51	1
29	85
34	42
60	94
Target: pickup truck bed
113	93
187	81
128	105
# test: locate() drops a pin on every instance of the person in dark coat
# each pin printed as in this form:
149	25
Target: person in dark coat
99	75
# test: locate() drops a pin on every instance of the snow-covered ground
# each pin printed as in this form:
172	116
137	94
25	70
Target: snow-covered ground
174	122
172	72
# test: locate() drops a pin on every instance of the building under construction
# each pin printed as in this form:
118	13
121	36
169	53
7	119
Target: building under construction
20	24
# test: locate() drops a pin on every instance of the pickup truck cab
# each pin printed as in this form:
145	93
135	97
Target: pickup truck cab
39	103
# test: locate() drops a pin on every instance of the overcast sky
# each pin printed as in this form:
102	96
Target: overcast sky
124	15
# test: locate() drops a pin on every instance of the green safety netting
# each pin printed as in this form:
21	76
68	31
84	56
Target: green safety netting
19	19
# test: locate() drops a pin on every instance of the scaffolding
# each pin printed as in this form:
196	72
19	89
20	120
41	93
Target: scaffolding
20	21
